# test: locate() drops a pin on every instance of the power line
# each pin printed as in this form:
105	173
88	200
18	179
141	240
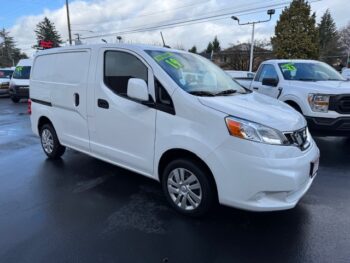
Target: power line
176	23
146	15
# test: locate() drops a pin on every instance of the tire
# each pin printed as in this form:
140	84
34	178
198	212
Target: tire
15	99
50	143
188	198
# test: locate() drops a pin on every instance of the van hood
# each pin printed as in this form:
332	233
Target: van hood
258	108
326	87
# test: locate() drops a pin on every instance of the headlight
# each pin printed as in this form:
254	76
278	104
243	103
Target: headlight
319	102
255	132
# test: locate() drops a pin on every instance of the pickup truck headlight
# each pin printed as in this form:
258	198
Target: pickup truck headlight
319	102
255	132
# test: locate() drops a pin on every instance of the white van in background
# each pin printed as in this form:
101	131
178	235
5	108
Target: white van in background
19	84
177	118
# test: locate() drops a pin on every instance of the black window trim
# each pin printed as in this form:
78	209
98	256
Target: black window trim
159	105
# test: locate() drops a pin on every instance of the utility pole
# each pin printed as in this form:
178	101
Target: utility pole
68	21
270	13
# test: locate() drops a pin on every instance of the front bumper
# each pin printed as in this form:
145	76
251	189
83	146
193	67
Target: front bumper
20	92
268	179
329	126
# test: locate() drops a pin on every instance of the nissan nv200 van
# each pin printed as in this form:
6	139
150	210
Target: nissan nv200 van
205	138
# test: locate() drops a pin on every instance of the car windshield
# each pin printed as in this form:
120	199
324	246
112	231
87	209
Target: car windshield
195	74
21	72
5	74
309	71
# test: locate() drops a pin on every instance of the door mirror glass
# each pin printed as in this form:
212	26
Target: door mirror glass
137	89
272	82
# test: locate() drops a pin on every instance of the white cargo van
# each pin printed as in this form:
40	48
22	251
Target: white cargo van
19	84
204	137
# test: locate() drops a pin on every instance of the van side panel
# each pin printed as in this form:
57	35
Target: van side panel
60	79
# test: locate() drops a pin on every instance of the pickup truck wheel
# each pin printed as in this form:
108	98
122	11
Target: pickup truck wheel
50	143
187	187
15	99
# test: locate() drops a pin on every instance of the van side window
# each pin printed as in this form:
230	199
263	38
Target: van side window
119	67
163	99
267	72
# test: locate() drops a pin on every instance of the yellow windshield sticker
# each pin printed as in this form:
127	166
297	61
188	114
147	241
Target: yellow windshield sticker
19	68
289	67
169	59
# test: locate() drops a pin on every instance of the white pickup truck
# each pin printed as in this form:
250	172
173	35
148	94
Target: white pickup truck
311	87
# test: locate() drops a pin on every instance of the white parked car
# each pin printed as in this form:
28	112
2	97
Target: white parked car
346	73
311	87
19	84
204	137
5	76
242	77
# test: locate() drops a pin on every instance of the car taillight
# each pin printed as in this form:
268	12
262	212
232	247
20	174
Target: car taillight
29	106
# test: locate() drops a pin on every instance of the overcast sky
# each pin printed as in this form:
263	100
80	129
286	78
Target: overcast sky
106	16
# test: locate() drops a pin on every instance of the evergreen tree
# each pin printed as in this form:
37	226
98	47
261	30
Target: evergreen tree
46	31
9	54
216	45
193	49
209	48
329	38
296	34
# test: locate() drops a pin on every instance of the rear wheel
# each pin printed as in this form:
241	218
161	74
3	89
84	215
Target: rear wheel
50	143
187	187
15	99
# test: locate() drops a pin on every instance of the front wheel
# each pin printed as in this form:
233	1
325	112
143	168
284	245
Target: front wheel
50	143
187	187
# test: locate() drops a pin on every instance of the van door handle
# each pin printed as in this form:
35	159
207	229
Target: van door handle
102	104
76	99
255	88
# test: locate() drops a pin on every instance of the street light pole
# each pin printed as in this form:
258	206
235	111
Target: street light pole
252	50
68	21
270	13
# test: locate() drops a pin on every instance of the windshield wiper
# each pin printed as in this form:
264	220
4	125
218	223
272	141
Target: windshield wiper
202	93
306	79
226	92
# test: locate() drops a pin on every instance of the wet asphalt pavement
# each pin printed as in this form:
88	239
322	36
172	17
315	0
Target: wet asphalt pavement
80	209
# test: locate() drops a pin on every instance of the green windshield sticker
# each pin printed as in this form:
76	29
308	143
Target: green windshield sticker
174	63
19	68
169	59
162	57
289	67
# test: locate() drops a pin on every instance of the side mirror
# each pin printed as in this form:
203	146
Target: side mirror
270	82
138	90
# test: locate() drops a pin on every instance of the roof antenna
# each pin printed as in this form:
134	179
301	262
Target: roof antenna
161	34
104	40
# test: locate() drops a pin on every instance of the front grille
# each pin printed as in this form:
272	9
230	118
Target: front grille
340	103
298	138
4	85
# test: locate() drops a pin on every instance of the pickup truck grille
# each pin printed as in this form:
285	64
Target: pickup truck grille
340	103
298	138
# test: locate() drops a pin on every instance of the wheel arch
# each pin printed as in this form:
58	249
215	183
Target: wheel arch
177	153
42	121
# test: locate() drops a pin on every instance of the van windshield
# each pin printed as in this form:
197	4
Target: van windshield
5	74
21	72
309	71
195	74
